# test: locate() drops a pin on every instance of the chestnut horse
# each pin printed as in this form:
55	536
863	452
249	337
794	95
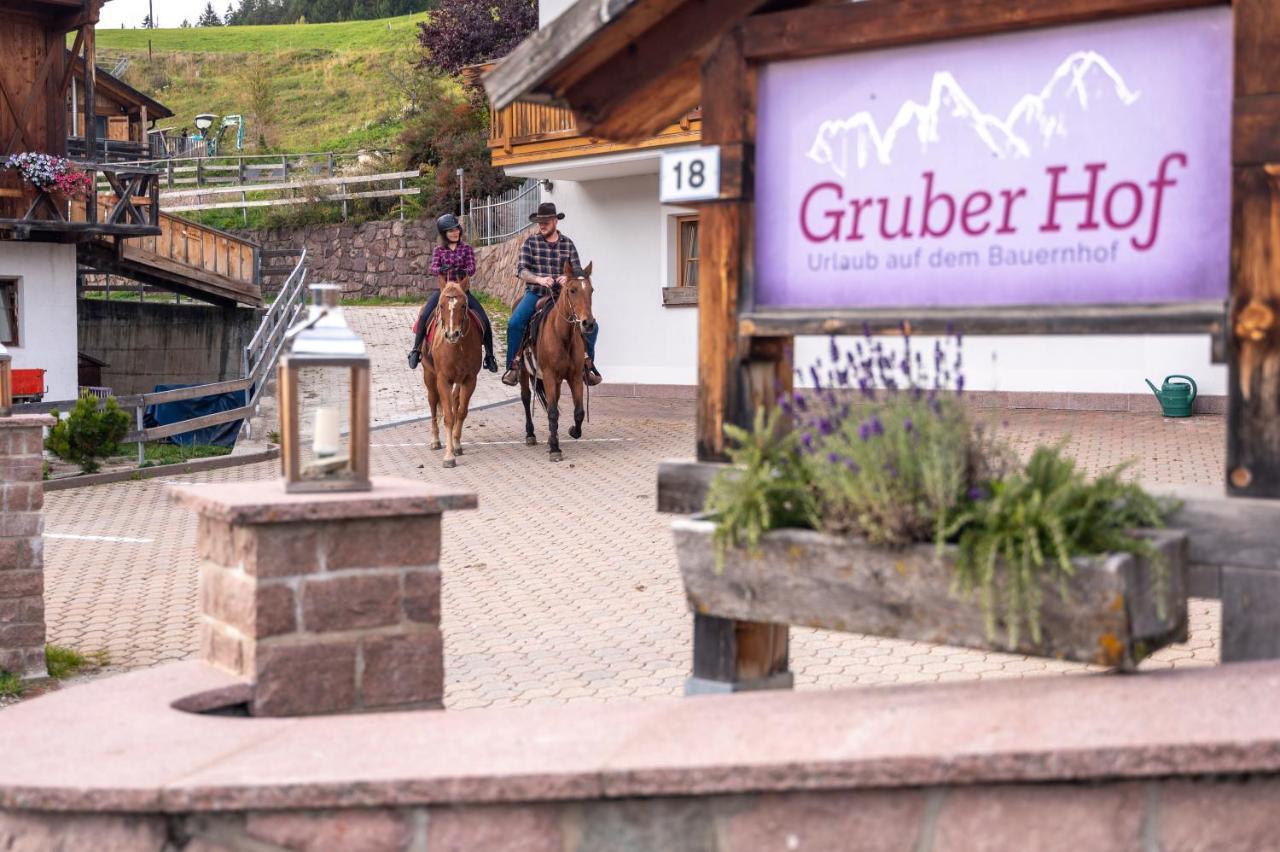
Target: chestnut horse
558	354
450	365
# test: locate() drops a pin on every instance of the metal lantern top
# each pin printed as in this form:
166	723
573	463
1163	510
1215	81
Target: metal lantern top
324	338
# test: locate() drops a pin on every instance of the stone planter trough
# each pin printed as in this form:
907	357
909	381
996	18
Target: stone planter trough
1109	617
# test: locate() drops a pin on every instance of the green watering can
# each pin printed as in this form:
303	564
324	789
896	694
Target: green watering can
1175	398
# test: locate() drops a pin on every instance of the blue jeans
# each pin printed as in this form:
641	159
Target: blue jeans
519	324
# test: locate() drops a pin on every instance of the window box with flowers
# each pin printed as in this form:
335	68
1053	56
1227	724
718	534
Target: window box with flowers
55	179
875	504
685	291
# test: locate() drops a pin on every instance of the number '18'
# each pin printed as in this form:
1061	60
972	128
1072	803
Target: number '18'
697	174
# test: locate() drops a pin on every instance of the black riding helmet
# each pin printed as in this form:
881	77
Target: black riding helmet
446	223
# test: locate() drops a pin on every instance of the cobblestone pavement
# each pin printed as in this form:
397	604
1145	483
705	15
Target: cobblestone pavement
563	585
398	393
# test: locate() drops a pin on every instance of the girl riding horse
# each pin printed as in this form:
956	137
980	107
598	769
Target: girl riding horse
452	260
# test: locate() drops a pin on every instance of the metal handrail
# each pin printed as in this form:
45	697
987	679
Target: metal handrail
265	345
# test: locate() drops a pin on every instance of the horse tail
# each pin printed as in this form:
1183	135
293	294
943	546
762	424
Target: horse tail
541	390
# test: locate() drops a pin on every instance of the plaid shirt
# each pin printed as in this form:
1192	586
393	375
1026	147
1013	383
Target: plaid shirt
543	258
453	264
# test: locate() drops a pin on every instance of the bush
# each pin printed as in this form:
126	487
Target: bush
88	433
884	449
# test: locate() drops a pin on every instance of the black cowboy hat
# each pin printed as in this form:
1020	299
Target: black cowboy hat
546	210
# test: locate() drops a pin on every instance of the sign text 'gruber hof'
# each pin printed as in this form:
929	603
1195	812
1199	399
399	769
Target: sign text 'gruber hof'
1086	164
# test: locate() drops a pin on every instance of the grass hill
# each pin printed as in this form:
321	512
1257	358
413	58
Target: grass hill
301	87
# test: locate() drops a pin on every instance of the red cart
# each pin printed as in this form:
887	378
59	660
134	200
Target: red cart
28	385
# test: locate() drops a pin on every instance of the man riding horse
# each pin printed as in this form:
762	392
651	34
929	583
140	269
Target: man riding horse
541	267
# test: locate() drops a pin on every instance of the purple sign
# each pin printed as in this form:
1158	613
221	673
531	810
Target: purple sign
1080	164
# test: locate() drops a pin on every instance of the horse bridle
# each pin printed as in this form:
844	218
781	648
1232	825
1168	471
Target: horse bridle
466	318
573	319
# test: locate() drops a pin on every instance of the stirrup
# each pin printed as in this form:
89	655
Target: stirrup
511	377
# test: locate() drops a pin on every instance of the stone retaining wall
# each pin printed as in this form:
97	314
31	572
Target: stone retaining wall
145	344
1114	817
388	259
1178	760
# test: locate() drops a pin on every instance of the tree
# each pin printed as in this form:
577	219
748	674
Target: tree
227	18
186	25
465	32
146	23
450	132
208	18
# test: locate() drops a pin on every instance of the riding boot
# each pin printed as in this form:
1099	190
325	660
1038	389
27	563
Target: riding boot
590	374
490	363
511	377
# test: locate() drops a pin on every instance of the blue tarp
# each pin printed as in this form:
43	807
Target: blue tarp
221	435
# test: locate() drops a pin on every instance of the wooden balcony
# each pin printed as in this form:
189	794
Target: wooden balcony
128	206
536	133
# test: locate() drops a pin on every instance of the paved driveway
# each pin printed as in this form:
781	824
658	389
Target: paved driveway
563	585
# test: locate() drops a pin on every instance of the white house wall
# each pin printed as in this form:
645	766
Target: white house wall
619	225
1071	364
47	328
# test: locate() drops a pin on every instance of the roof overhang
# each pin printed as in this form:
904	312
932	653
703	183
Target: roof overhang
627	68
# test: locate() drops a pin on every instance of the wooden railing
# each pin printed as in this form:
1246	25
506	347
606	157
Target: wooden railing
522	123
186	247
534	132
126	202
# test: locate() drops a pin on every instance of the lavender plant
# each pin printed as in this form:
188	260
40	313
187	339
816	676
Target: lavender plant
888	445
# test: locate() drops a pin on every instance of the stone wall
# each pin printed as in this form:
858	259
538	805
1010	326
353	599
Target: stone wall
147	344
387	259
1172	814
22	627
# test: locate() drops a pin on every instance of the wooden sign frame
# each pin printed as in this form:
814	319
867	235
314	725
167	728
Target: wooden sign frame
745	355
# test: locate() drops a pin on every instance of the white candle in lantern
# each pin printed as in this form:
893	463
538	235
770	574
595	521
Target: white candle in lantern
326	439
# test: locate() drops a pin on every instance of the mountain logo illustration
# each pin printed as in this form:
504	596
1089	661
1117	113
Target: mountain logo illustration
1035	115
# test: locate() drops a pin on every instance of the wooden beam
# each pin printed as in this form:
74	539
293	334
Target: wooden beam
655	78
1187	318
643	109
1253	408
824	30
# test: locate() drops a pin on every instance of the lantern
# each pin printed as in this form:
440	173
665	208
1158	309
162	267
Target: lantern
6	382
324	386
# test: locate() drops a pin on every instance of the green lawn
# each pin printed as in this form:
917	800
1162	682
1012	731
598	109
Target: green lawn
383	34
300	87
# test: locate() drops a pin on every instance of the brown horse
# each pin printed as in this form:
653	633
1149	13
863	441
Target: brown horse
558	354
450	365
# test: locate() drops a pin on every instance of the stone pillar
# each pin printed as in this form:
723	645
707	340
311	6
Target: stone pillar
327	603
22	633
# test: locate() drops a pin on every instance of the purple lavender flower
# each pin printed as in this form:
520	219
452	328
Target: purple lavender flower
976	493
959	384
834	458
787	408
866	330
852	465
835	350
864	432
825	427
908	425
801	404
813	374
877	426
807	440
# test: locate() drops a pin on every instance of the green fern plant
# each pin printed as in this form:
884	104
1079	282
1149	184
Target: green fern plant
1031	526
766	489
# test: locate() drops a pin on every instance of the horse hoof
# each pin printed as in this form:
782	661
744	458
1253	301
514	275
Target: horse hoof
435	445
530	441
557	456
450	462
575	433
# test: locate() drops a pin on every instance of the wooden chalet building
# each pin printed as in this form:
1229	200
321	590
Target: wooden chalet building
125	118
46	90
